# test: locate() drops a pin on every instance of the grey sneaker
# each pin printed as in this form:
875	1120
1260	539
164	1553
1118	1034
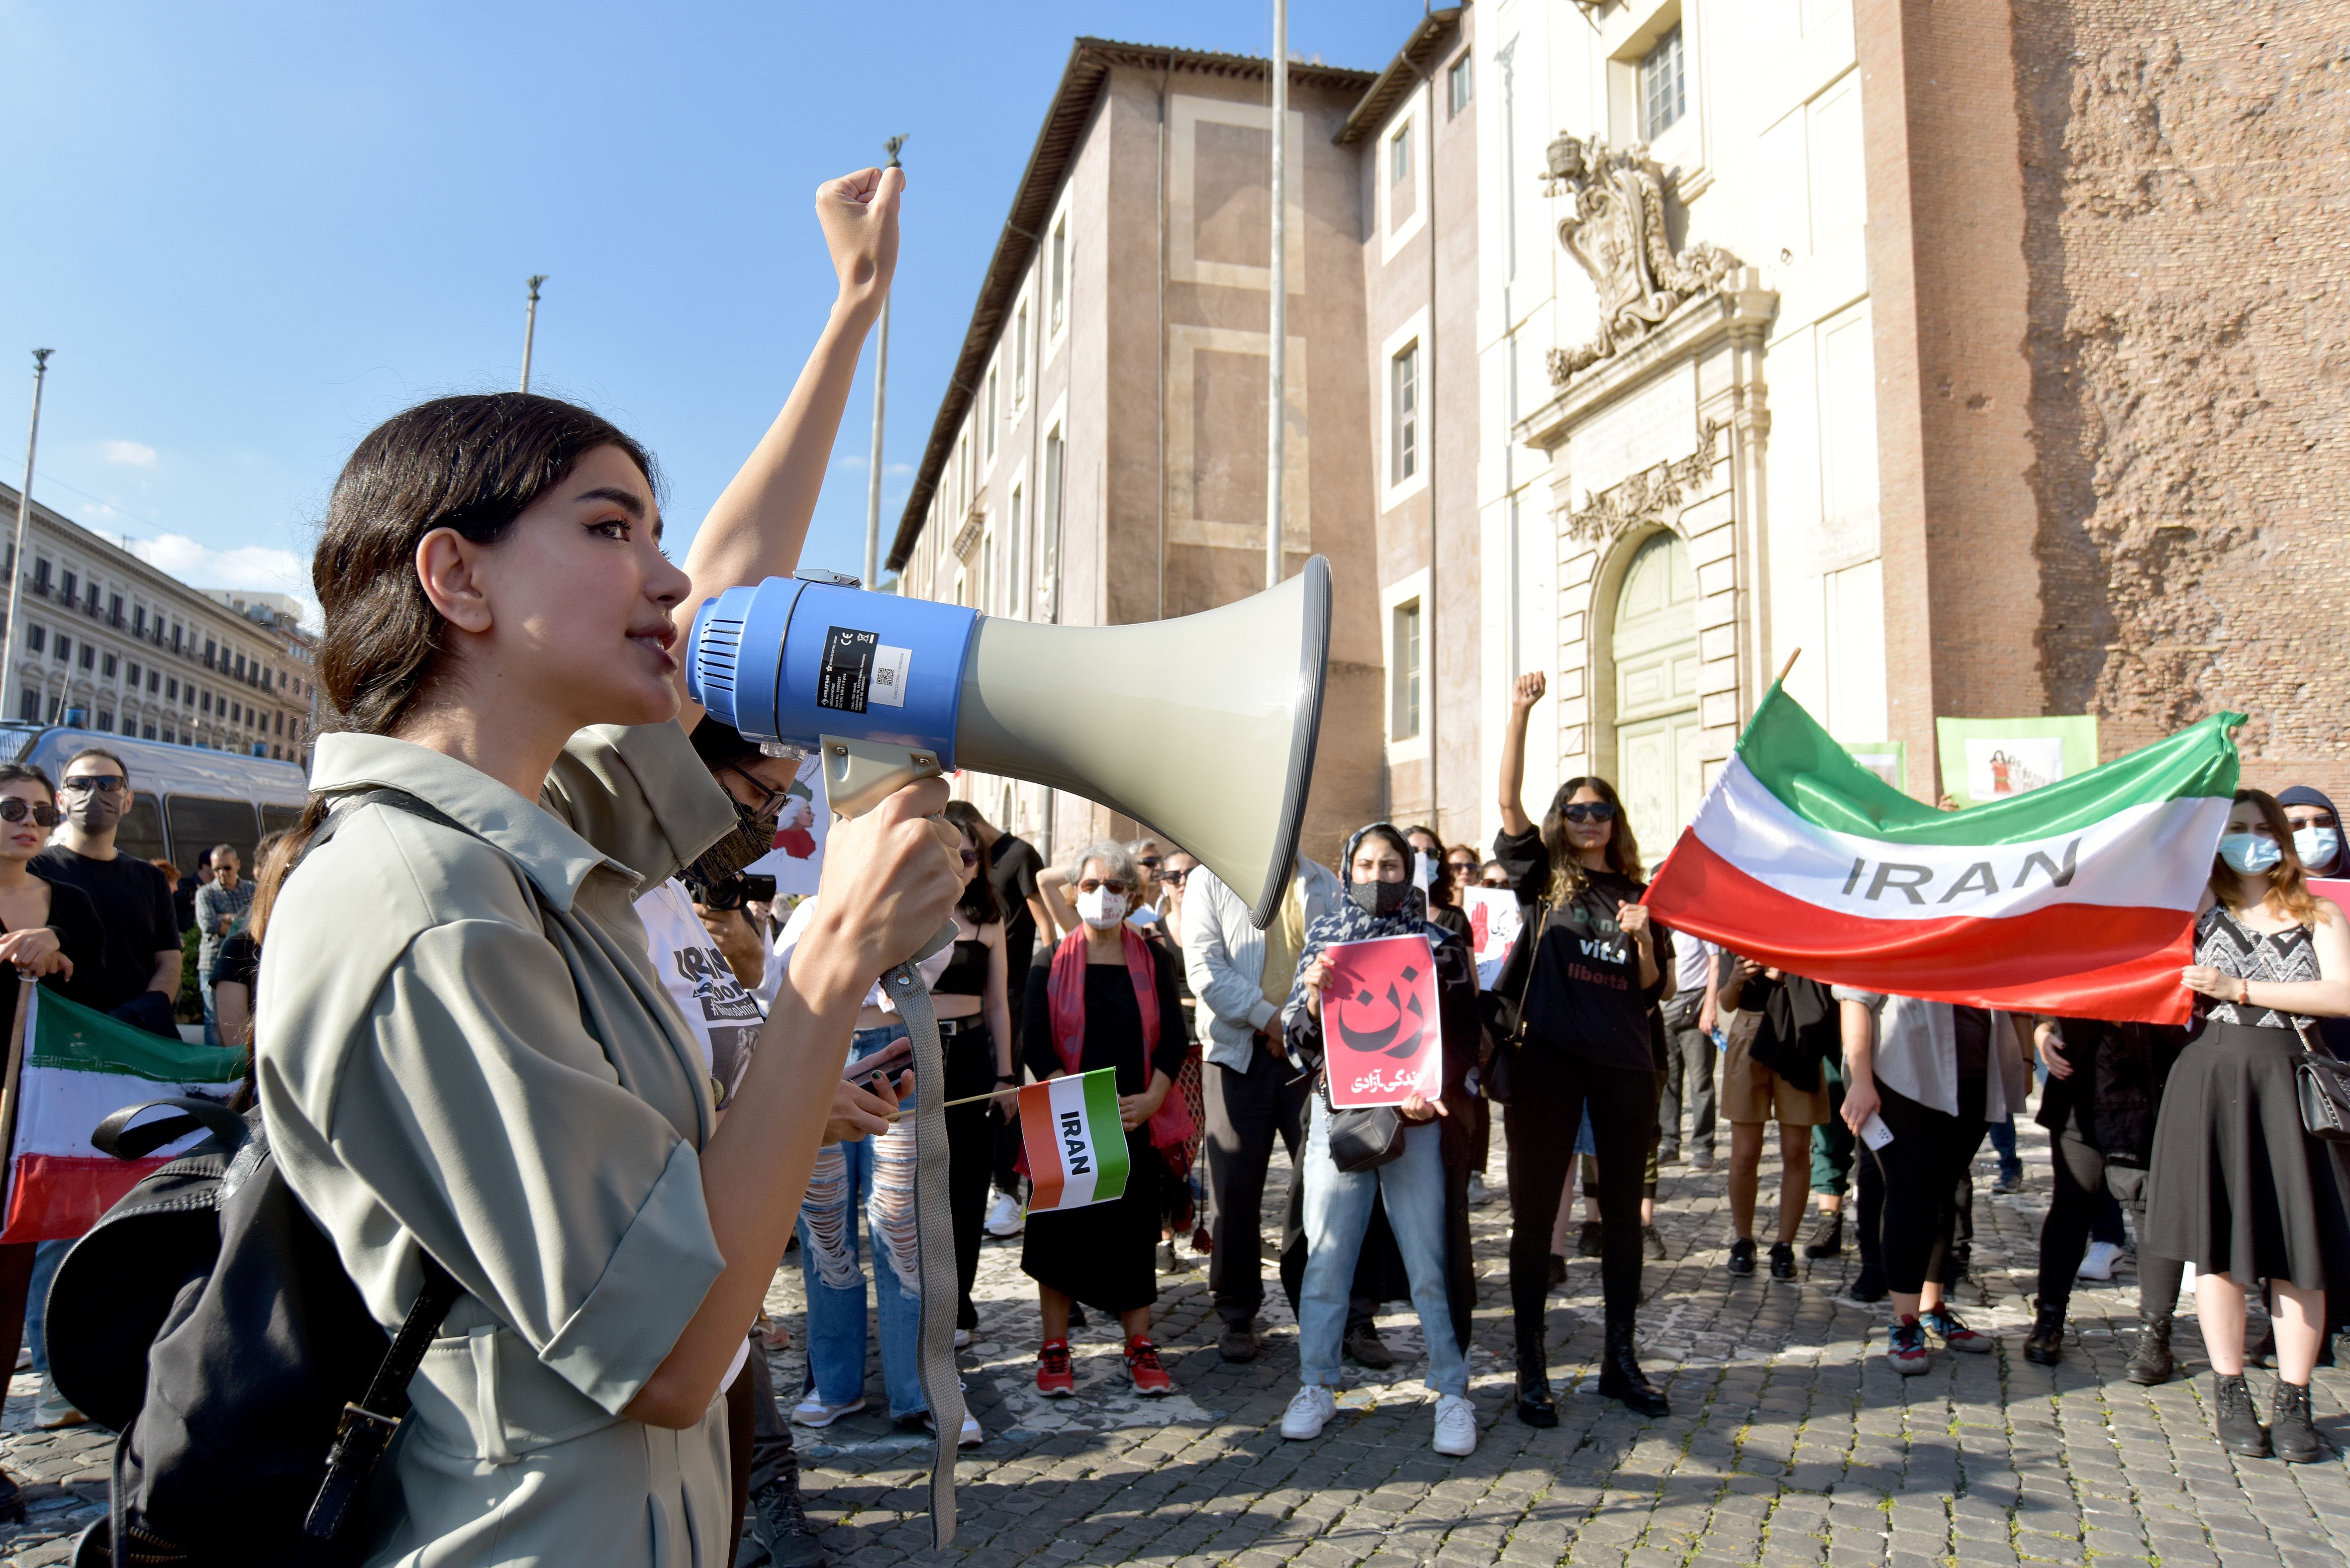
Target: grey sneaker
52	1411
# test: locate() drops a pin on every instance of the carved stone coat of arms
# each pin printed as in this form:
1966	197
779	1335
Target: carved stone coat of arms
1616	232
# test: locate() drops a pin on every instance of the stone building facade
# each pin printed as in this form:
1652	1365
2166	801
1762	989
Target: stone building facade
1989	352
1100	456
108	640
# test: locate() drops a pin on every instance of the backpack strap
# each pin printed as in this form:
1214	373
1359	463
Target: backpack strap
369	1426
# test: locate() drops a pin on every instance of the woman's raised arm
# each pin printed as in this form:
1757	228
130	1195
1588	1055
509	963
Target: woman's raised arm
759	521
1527	691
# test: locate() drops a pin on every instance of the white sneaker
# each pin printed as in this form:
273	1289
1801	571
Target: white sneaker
1456	1426
1308	1413
962	1339
813	1411
2098	1264
970	1436
1478	1192
1005	1216
53	1411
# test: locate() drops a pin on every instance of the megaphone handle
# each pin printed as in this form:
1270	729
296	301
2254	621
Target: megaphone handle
859	774
933	1231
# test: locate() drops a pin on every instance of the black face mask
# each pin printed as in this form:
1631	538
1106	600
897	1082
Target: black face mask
1379	898
752	837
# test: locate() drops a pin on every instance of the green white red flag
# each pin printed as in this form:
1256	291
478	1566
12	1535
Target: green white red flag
1074	1141
77	1068
2076	899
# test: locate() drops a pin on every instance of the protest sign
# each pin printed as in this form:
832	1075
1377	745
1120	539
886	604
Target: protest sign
1495	918
1378	1022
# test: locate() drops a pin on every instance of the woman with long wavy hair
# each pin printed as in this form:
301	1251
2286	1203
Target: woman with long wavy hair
464	1052
2235	1185
1591	969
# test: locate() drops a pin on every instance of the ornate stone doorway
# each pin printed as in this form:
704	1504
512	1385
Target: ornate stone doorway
1660	766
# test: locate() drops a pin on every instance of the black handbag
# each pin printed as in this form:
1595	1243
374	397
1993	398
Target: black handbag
1365	1138
1497	1075
2323	1085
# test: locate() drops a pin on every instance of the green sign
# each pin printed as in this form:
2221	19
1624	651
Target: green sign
1888	760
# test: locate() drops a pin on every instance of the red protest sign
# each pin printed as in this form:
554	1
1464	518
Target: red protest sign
1378	1022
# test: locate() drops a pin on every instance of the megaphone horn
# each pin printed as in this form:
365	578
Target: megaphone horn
1202	728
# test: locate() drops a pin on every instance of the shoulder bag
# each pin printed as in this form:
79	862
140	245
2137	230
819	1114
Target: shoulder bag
2323	1085
1498	1079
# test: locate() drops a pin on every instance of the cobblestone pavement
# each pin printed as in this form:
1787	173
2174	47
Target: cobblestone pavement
1790	1441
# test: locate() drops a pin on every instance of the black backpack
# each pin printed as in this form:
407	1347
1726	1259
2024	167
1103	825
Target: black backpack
208	1320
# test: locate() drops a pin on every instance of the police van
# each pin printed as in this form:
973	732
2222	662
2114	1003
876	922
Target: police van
183	799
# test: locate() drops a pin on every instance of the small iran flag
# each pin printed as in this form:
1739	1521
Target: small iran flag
1076	1148
2076	900
78	1067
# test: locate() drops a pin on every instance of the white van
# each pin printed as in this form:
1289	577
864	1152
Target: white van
183	799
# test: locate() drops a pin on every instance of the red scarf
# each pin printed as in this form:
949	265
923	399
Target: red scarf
1171	1123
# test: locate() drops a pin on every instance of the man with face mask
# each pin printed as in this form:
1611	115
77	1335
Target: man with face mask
1243	977
141	975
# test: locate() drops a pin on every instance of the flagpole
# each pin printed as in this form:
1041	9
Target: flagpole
1789	665
25	985
966	1100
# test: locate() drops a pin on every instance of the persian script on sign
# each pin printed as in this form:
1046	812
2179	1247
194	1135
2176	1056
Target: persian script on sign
1379	1024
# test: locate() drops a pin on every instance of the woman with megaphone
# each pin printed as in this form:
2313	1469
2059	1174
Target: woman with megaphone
1585	974
465	1057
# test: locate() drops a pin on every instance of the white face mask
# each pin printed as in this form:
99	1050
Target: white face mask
2317	846
1101	909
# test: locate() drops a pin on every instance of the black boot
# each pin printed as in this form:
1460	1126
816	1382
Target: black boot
2150	1362
2291	1431
2044	1346
782	1526
1827	1236
1620	1377
1535	1406
2238	1425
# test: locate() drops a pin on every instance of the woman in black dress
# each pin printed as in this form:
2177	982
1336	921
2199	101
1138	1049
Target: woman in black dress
2236	1187
1591	969
1106	1000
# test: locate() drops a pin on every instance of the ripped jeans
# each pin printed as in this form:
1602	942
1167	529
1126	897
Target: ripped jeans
876	1174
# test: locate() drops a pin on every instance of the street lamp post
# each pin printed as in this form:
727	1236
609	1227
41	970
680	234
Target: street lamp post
24	514
881	396
1277	435
530	327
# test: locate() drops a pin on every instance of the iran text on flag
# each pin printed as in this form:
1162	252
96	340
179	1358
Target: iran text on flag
2078	898
80	1067
1076	1148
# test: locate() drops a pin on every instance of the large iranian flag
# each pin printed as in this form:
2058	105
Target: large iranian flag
2076	900
77	1068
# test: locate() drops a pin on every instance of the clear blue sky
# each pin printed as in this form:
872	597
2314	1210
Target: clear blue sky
251	232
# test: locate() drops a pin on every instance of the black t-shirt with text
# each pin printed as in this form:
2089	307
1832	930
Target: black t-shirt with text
1585	996
134	907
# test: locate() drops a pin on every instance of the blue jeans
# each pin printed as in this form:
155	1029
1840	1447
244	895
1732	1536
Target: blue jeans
875	1175
2002	1143
212	1018
46	1256
1337	1213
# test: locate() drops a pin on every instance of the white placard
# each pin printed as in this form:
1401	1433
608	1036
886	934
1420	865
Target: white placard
1496	918
1998	768
797	861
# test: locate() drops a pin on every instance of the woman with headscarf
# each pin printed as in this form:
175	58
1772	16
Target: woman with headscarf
1420	1188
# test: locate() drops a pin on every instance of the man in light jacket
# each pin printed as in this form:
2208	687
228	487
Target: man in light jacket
1242	977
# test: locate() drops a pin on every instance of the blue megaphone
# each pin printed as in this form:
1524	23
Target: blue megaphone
1202	728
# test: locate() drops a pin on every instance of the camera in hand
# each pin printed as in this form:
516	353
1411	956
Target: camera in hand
734	892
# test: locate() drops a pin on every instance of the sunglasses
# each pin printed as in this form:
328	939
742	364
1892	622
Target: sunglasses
1589	810
1463	869
971	857
105	784
1175	878
1104	884
15	809
1149	862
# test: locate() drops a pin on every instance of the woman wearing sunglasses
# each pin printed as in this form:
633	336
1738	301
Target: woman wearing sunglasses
1590	969
50	932
1107	999
975	1030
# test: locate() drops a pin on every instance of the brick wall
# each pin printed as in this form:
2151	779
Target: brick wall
2186	180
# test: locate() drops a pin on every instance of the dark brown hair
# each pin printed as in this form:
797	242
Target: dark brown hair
1568	877
26	773
2288	893
471	464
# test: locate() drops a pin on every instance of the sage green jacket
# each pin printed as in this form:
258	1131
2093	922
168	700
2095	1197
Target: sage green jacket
464	1045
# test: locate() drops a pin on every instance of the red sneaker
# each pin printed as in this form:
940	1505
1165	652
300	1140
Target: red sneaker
1053	1378
1142	1364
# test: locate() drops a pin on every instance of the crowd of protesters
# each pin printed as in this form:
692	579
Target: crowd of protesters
515	1010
